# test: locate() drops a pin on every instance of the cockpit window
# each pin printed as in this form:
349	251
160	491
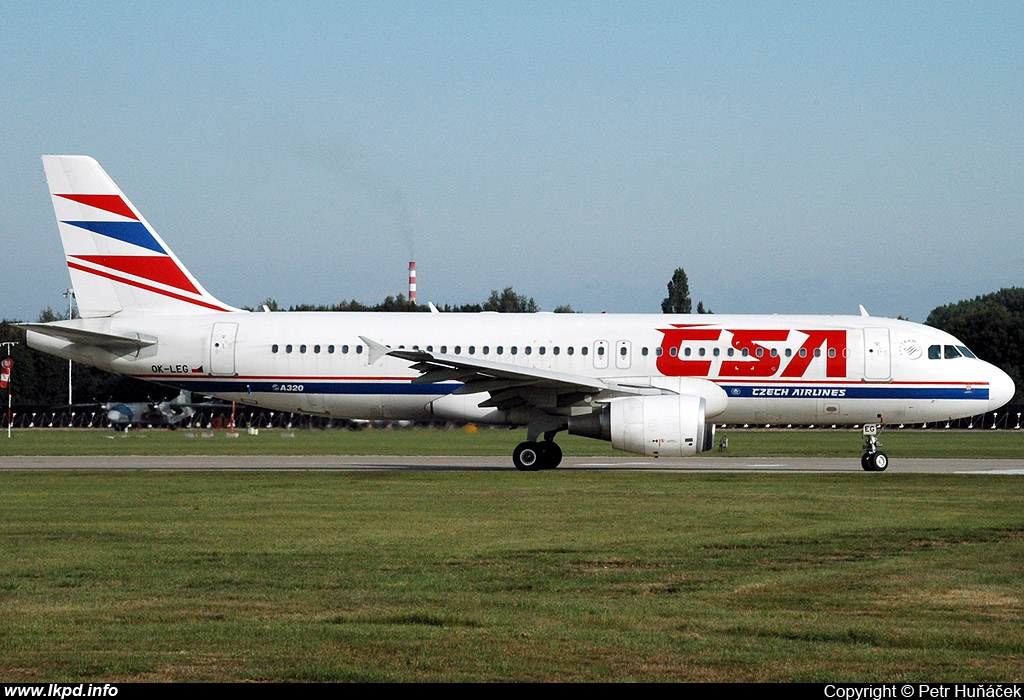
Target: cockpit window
949	352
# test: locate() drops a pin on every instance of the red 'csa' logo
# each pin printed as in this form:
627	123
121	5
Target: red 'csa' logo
758	361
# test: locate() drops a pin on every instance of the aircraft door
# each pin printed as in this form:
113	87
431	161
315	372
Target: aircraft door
622	354
222	349
877	361
601	354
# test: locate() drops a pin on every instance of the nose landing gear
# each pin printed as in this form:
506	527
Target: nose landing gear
873	460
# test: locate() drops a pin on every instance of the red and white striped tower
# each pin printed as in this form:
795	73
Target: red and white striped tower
412	282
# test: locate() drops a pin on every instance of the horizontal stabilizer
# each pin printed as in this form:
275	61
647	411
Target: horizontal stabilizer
87	337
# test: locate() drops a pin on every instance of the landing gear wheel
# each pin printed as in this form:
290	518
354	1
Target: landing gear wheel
527	457
534	456
879	462
874	462
550	454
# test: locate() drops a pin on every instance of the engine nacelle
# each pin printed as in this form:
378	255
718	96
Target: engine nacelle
657	426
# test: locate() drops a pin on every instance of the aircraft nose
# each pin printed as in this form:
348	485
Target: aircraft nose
1000	388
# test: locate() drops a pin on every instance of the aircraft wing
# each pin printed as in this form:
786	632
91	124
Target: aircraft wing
508	385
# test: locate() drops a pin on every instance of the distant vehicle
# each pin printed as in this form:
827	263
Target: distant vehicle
651	384
170	414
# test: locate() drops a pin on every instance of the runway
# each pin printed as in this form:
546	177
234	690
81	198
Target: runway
422	463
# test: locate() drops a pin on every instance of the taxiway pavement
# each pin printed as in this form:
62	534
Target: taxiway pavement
422	463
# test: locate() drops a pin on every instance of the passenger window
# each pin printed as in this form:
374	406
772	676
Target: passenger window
273	348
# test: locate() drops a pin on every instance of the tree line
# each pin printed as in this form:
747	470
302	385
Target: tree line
507	302
991	325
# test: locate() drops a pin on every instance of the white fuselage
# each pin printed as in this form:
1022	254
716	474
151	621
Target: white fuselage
772	369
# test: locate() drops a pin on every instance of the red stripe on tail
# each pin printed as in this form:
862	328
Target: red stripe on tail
107	202
161	292
156	268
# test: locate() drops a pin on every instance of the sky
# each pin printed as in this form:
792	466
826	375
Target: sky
792	157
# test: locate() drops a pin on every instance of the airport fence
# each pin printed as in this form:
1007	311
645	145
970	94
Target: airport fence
220	416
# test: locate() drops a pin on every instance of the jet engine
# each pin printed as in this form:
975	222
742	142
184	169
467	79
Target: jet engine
667	425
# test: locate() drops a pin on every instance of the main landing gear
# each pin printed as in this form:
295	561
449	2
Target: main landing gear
873	460
533	456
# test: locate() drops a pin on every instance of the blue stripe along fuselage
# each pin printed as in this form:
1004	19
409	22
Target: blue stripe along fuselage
861	391
299	386
286	385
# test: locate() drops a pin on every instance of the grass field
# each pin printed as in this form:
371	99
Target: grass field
509	576
984	444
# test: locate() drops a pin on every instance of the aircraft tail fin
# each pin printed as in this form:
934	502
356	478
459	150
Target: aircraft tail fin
118	263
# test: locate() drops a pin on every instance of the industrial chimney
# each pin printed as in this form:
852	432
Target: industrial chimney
412	282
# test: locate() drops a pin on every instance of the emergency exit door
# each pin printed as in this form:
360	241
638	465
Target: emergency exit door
877	360
222	349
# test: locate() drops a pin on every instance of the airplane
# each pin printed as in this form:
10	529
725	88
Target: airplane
169	413
655	385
